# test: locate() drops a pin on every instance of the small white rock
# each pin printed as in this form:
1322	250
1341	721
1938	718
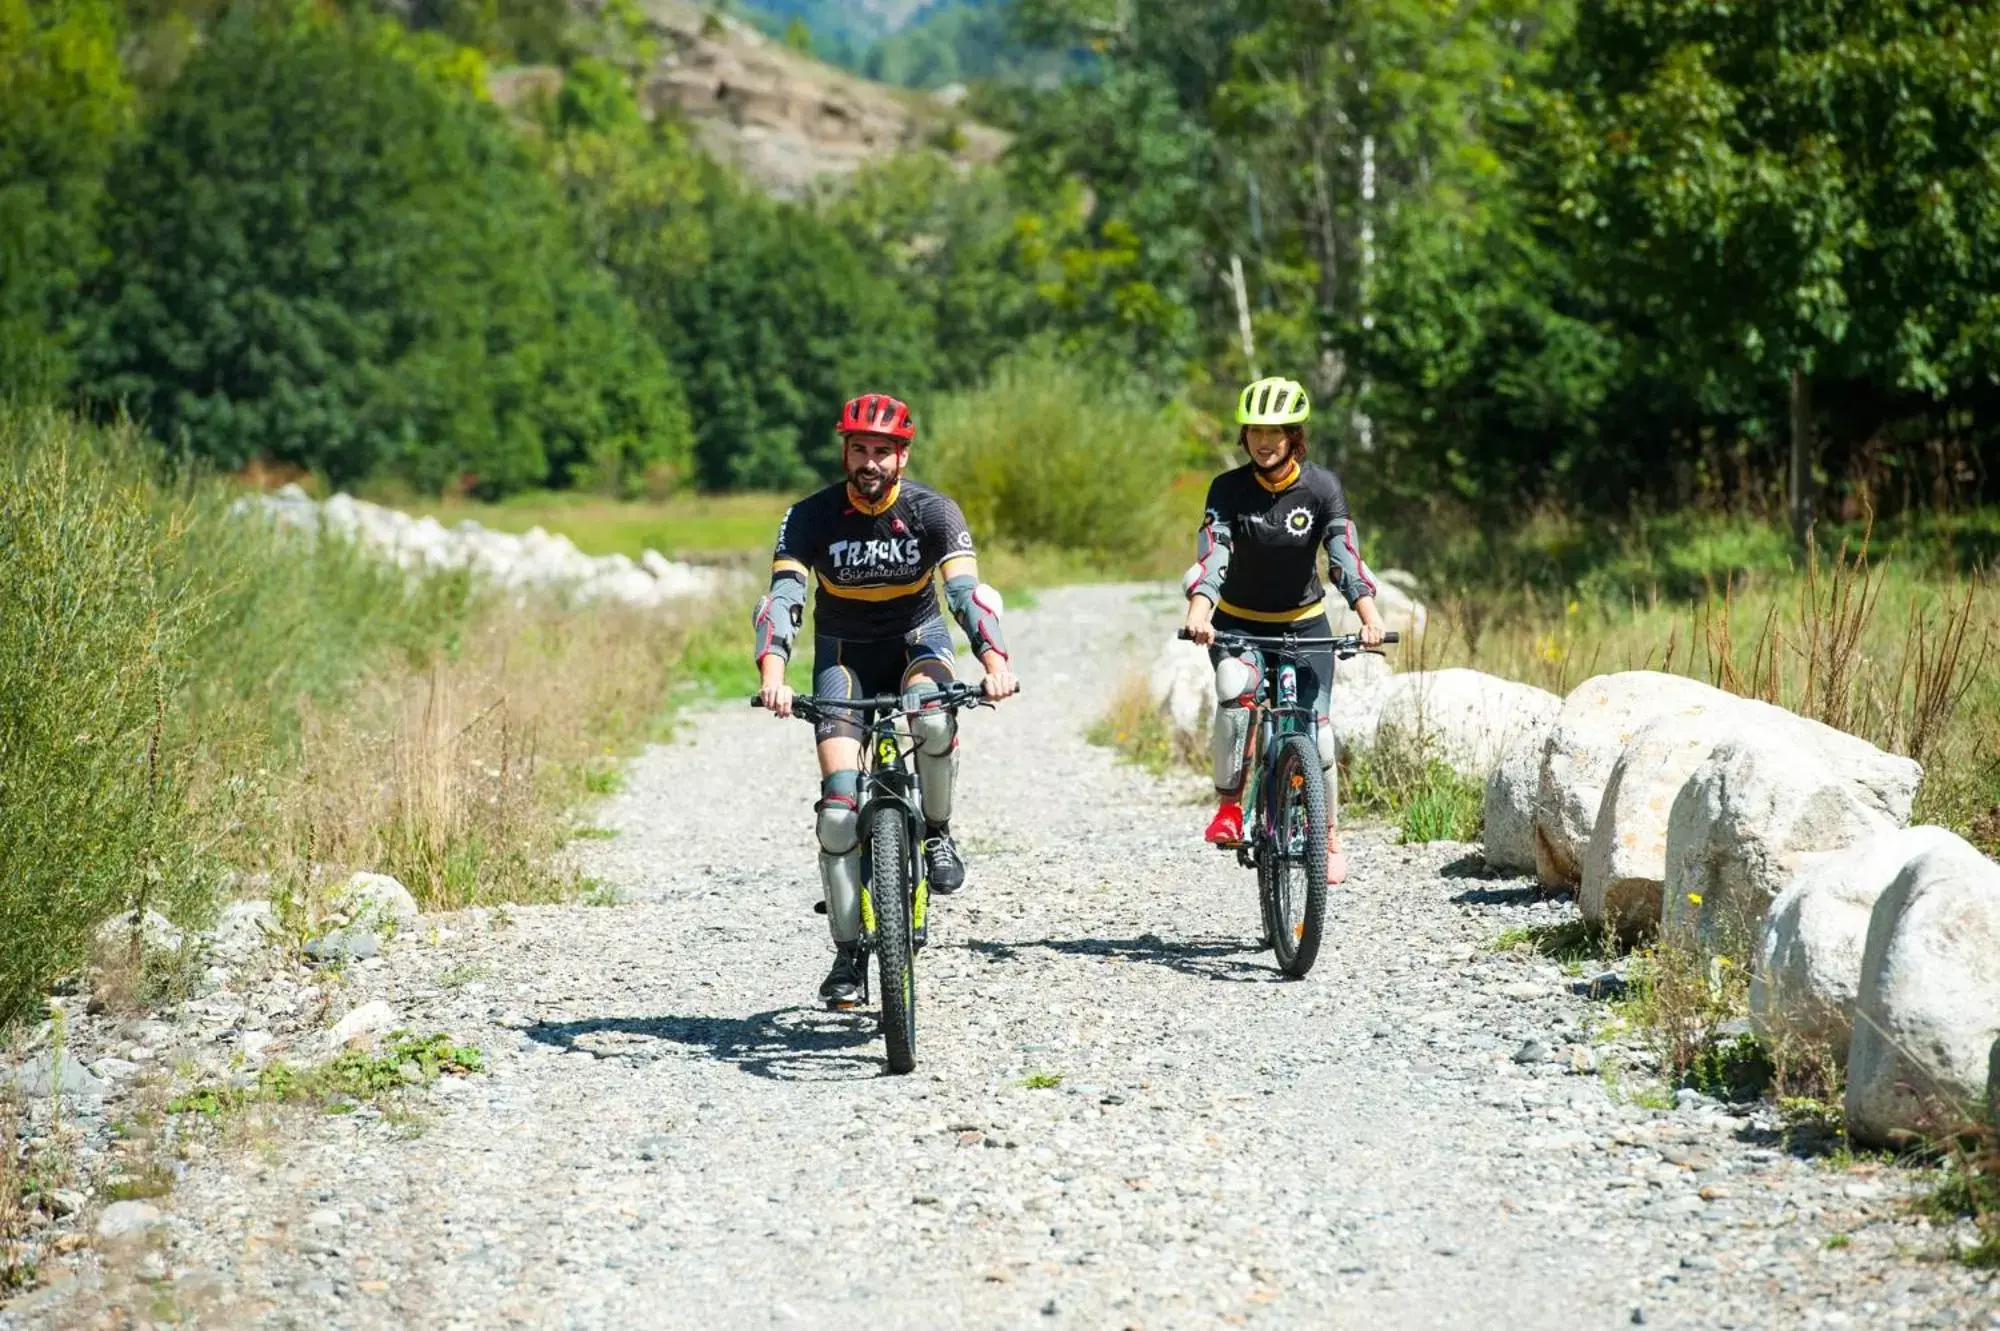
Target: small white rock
367	1019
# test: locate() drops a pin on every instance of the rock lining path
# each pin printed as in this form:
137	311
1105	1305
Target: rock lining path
673	1136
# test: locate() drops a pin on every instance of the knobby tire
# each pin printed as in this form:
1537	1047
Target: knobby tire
1297	790
889	891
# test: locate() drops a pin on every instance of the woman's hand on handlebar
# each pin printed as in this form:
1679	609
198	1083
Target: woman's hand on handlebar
1372	627
1199	627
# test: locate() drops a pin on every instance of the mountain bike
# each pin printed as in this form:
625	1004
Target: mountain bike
1284	797
895	889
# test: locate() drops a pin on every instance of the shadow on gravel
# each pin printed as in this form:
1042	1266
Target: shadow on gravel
784	1044
1520	894
1472	866
1209	959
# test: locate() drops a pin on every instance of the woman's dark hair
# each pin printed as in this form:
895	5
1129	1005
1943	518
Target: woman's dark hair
1295	435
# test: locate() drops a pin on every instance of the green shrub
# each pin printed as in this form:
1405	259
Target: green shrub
158	654
1049	454
95	635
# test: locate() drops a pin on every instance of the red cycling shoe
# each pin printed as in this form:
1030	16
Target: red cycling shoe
1226	828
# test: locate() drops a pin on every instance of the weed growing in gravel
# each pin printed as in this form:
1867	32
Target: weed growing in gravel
1571	943
1680	1001
1835	1242
32	1167
1969	1187
352	1078
459	976
1042	1081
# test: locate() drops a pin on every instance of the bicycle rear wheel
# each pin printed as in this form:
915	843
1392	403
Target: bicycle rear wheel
1297	882
895	957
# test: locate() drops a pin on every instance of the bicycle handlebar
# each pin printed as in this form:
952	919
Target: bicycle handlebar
1348	644
952	696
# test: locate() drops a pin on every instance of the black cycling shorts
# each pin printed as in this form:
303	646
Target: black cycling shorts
1315	663
850	668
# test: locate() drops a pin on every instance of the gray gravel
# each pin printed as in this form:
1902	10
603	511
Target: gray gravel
673	1135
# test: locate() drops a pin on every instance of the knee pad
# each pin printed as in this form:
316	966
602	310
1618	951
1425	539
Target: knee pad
840	880
839	819
935	730
1235	681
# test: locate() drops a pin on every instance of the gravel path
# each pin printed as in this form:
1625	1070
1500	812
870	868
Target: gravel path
672	1134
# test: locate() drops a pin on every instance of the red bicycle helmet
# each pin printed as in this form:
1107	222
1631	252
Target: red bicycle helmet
877	413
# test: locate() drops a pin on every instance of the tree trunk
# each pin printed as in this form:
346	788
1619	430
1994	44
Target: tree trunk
1798	480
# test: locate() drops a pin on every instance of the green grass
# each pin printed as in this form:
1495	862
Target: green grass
1425	798
1042	1081
685	526
353	1077
1836	1242
1571	943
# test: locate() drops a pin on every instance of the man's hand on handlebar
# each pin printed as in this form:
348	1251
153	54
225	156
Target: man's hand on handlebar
1000	681
773	692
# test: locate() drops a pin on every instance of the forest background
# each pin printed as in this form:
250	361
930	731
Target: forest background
1535	257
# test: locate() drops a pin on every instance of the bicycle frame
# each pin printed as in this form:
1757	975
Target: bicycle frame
1278	713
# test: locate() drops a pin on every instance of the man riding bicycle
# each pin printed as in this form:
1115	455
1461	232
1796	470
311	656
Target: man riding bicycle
1258	574
872	544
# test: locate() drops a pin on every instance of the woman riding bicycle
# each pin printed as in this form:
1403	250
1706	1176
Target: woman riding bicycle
1258	575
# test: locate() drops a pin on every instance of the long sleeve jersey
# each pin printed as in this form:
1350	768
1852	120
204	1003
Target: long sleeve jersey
1260	541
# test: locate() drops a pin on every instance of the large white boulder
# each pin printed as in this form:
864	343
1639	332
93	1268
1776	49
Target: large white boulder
1597	720
1510	804
1781	789
1929	1007
1807	975
1625	862
1464	718
1360	686
1181	685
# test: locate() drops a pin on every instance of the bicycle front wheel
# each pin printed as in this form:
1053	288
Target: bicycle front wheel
1297	856
895	957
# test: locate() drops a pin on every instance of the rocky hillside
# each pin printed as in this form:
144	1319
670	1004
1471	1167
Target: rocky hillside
784	119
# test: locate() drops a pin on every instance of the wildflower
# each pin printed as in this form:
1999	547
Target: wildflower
1694	898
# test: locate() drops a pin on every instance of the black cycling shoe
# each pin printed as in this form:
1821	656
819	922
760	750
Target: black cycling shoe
845	983
942	864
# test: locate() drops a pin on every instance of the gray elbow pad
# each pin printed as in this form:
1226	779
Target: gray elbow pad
777	618
976	606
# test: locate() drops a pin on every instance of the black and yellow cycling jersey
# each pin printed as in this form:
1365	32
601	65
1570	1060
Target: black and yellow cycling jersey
870	564
1260	542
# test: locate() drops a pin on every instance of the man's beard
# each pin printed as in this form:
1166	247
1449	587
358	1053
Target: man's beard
871	484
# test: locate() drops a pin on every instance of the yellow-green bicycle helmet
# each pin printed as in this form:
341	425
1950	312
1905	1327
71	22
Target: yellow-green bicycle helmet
1273	402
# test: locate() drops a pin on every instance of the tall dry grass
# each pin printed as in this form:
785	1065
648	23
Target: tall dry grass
1864	644
459	775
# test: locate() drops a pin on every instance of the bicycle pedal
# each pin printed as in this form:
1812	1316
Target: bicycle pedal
842	1007
1228	845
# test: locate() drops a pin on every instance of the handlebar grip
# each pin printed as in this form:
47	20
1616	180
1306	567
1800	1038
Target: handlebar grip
757	700
1184	636
1392	637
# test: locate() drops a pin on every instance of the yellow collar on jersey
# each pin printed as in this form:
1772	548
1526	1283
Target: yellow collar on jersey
1284	481
881	505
